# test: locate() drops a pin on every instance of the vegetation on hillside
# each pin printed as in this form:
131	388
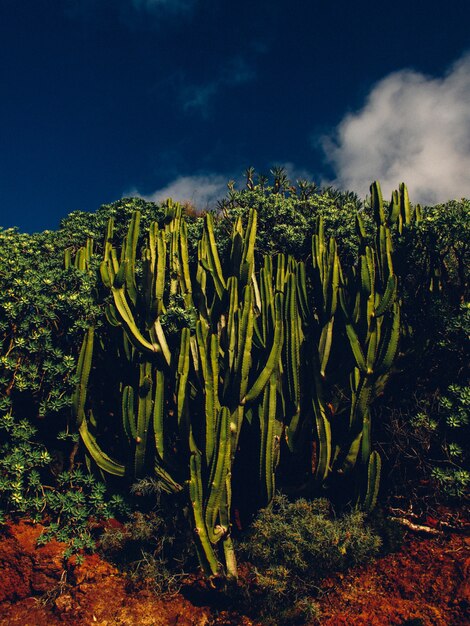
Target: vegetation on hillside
296	338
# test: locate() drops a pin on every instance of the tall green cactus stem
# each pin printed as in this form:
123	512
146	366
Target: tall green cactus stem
271	427
291	360
206	554
372	322
144	415
325	272
83	374
373	481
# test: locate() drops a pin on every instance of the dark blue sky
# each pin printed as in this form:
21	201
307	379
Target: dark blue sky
100	98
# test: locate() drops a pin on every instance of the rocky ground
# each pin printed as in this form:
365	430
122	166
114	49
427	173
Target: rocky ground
426	583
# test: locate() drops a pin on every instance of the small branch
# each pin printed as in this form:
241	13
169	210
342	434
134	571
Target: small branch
417	528
72	455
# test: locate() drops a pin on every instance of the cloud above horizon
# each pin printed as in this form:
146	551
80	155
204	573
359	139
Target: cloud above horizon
201	190
412	128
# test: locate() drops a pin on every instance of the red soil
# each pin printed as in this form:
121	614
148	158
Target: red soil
428	579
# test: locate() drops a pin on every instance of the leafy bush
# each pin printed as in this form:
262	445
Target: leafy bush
66	505
425	410
287	215
43	310
295	544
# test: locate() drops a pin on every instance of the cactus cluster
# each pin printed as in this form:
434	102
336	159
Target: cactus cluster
186	394
248	359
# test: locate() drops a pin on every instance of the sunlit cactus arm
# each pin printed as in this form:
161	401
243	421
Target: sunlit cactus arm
405	206
373	481
302	290
174	263
83	374
224	513
237	243
389	344
271	428
213	258
232	331
387	300
167	482
101	459
106	276
356	347
160	271
144	416
128	413
256	295
206	554
217	476
186	285
377	203
147	286
292	341
331	285
373	338
273	357
158	414
324	345
67	258
361	231
162	342
323	429
182	380
130	255
209	352
280	272
360	401
352	453
245	341
126	317
247	260
267	298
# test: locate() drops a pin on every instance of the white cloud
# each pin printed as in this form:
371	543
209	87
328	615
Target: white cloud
202	190
412	128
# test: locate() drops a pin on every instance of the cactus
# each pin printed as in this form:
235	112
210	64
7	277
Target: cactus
373	480
372	321
257	357
83	374
185	398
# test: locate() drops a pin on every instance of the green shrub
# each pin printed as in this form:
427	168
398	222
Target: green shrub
65	504
153	547
287	212
293	545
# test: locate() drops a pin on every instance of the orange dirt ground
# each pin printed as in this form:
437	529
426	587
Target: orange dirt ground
427	581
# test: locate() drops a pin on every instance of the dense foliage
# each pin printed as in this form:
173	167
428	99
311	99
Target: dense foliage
46	309
288	213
